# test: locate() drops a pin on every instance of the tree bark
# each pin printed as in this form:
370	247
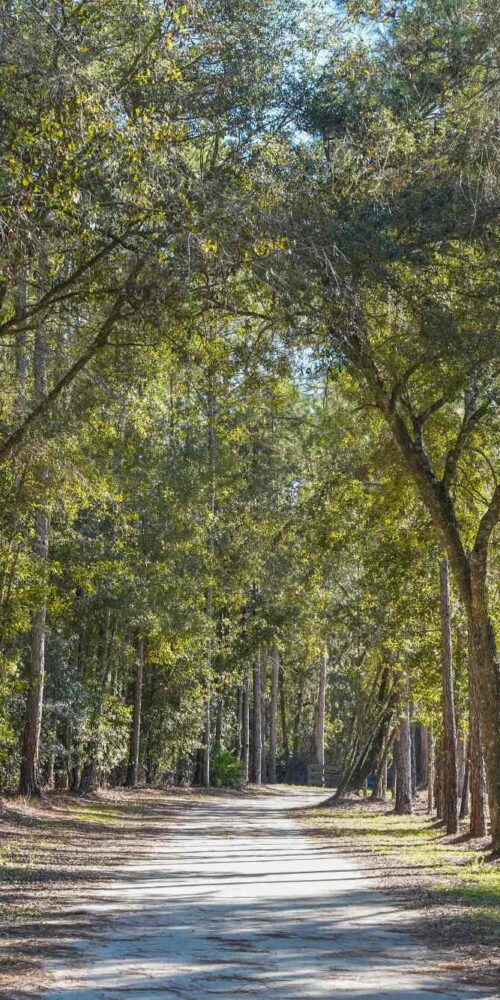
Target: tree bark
284	723
135	735
438	780
89	781
449	763
319	735
403	805
206	741
464	800
257	721
470	572
477	782
413	737
273	714
380	786
238	743
430	770
218	723
486	670
246	728
298	715
29	781
424	754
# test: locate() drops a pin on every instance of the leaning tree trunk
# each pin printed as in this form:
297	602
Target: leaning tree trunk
403	805
257	721
449	762
135	735
319	735
273	713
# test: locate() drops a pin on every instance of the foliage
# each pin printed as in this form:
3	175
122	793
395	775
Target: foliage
227	770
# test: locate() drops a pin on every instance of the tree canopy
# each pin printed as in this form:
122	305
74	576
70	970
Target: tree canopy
250	386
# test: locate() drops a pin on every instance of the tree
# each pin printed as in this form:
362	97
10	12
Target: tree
401	267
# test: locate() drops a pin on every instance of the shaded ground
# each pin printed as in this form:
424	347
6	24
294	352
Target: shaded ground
450	882
51	853
219	897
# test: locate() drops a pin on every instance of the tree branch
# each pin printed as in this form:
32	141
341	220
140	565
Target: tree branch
434	493
54	294
17	438
486	528
471	417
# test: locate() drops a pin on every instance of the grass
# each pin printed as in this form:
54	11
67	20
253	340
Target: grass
453	880
459	867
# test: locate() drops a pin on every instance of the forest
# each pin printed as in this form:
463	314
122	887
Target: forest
249	407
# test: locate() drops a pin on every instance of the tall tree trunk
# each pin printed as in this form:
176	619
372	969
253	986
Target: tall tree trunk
430	770
29	781
470	571
135	735
319	735
212	505
257	721
238	743
206	742
477	782
264	723
413	738
438	780
273	713
89	779
424	754
298	715
449	763
284	723
403	803
486	661
246	728
464	800
380	786
218	723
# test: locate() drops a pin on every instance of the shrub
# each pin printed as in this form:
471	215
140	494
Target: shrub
226	770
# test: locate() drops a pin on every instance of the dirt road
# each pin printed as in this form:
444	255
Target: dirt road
237	901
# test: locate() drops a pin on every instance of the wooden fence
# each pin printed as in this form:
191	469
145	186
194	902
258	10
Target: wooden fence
322	776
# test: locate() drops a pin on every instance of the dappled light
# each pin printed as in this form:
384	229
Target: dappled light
238	900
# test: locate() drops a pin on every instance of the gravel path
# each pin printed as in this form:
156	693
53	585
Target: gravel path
238	902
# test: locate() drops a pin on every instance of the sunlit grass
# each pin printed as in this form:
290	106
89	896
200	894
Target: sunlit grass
99	814
460	872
